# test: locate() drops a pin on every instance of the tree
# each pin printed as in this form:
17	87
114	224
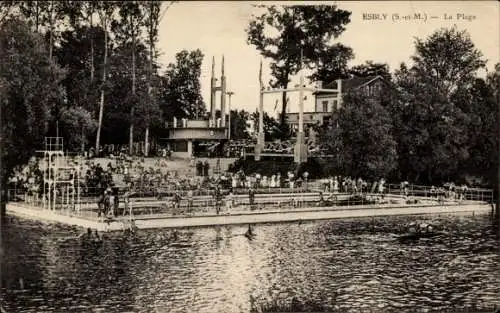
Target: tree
105	11
88	10
152	17
331	64
76	125
483	139
34	12
29	86
365	130
271	126
239	126
121	98
180	95
303	33
431	115
371	68
448	61
128	30
53	17
5	10
75	53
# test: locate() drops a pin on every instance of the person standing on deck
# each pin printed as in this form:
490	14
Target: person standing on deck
321	201
229	201
110	200
116	201
100	205
335	185
190	200
177	200
381	187
251	197
126	200
218	199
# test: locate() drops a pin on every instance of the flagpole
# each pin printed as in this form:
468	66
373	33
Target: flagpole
260	136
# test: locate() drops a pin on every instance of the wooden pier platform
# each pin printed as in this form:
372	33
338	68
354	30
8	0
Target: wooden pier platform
245	217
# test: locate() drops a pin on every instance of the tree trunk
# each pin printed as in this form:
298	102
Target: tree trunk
83	141
131	134
497	209
37	20
150	94
50	45
283	106
51	35
91	48
101	105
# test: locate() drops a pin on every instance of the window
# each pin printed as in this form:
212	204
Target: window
335	104
325	106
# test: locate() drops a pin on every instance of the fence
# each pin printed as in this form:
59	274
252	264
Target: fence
426	192
161	200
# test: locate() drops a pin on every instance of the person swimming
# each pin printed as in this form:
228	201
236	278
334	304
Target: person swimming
87	236
175	235
249	233
97	237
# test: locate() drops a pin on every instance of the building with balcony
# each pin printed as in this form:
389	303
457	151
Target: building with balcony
187	138
326	104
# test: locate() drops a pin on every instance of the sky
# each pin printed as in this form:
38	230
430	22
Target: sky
218	28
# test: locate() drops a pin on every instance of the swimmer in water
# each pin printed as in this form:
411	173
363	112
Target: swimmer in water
249	233
87	235
175	236
96	236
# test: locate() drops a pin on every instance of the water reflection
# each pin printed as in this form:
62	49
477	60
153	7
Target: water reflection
349	265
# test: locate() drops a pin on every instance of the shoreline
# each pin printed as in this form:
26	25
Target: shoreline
252	217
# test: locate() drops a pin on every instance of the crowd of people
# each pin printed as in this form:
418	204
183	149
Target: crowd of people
351	185
158	181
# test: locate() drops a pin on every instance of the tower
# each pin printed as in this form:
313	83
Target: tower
223	95
213	94
61	186
213	90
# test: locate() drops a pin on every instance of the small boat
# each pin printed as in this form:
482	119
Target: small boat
180	245
417	236
419	231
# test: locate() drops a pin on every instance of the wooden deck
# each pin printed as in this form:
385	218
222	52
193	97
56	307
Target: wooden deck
245	217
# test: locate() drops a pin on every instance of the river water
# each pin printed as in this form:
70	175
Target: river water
346	266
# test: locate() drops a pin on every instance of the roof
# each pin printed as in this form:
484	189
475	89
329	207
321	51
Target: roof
351	83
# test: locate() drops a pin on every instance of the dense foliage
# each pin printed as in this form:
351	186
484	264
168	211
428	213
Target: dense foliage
297	35
435	122
368	148
30	88
85	66
181	94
